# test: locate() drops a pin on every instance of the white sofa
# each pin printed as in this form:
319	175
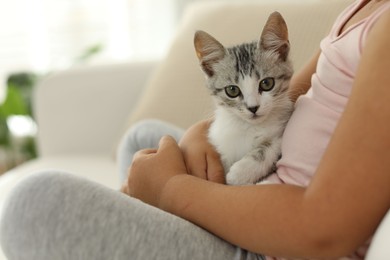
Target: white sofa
82	112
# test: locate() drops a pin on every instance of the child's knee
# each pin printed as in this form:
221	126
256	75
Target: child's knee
25	201
144	131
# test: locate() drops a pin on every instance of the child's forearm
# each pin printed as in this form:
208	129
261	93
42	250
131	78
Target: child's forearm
245	215
301	81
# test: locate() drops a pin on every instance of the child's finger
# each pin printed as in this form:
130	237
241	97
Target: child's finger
167	142
215	171
143	153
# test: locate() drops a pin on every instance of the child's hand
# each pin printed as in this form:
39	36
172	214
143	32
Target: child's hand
151	170
201	158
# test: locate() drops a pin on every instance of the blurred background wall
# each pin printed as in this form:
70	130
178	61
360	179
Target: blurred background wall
41	36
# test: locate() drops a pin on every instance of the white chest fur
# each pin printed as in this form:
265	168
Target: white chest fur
234	137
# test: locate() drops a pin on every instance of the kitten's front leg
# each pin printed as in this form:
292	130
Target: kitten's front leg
256	165
244	172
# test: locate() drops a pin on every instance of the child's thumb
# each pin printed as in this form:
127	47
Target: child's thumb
167	141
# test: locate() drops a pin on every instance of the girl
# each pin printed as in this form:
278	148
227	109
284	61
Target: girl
335	174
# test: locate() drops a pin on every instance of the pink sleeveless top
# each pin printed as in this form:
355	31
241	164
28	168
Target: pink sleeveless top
317	113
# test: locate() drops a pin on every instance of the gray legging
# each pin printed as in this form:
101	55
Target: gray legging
54	215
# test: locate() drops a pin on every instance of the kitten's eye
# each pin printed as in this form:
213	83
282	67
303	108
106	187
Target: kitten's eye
267	84
232	91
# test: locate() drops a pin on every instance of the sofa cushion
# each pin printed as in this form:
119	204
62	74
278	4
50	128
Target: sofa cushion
177	93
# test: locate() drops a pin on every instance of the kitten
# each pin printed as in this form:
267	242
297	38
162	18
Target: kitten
249	83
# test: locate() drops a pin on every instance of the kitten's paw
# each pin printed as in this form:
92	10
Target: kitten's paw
244	172
234	178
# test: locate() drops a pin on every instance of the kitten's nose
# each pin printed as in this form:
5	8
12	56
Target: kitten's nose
253	109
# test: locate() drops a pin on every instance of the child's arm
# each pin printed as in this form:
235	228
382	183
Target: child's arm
301	81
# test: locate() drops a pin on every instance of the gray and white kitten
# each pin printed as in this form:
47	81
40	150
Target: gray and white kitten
249	83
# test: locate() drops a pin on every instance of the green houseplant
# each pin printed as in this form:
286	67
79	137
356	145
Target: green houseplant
17	103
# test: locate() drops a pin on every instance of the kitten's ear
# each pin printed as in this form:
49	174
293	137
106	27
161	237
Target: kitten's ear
275	36
208	50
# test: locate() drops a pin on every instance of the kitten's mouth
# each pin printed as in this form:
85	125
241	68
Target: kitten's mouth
255	117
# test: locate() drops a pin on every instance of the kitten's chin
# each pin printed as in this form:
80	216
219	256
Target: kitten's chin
255	119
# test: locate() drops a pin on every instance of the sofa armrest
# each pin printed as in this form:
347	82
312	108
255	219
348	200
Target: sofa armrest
84	110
